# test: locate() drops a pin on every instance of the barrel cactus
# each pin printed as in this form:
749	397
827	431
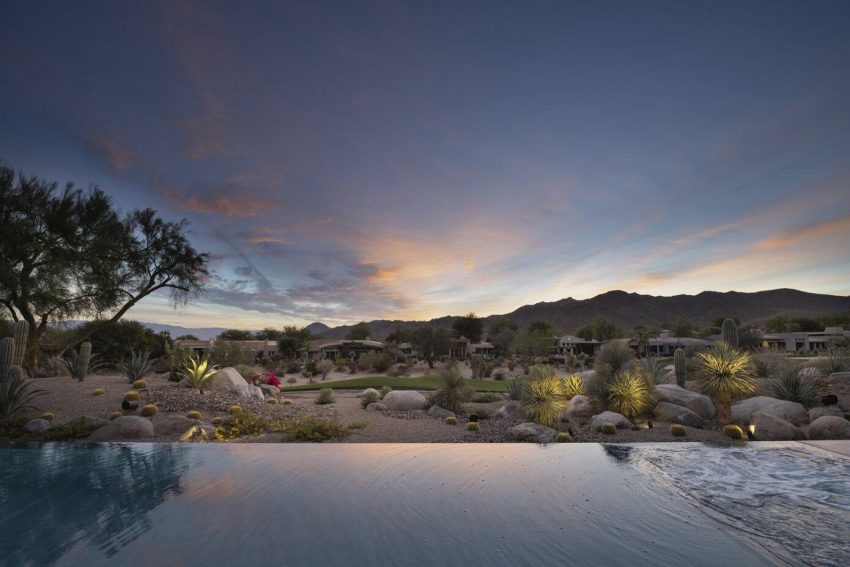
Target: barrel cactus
473	426
563	437
608	428
730	333
678	430
149	410
451	420
680	366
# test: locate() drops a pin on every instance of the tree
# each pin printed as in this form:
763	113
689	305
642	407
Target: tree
291	339
535	344
359	332
543	328
68	253
187	338
470	326
431	342
778	324
267	334
682	327
234	335
115	341
599	329
400	335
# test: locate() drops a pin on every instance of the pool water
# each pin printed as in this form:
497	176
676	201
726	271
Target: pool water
412	504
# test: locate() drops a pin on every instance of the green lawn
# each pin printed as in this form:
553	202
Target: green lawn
396	383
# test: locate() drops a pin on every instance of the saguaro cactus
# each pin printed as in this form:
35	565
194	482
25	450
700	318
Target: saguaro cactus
83	359
20	331
7	351
680	366
730	333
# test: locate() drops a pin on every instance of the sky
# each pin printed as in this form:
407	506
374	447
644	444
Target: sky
347	161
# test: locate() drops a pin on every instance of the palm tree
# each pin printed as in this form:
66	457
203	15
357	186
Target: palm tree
724	373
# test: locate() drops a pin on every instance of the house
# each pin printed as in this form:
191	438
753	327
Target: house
569	344
463	348
261	349
666	345
813	342
333	349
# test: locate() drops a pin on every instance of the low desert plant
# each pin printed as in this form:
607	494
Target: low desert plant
834	360
544	399
483	412
454	391
654	370
53	366
242	423
451	420
198	372
313	430
80	362
516	389
98	392
724	373
139	366
291	380
149	410
292	367
218	420
473	426
194	414
787	384
369	397
325	367
233	410
385	390
767	361
140	385
573	386
287	402
678	430
563	437
608	428
628	394
486	398
16	392
132	396
115	414
271	400
733	431
326	396
48	415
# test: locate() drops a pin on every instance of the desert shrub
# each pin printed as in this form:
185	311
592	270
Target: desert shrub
98	392
48	415
451	420
366	360
573	386
454	392
473	426
247	372
309	369
149	410
313	430
324	367
326	396
369	398
608	428
614	358
787	384
140	385
678	430
137	367
227	353
81	362
293	367
486	398
234	410
131	396
653	370
175	360
12	429
563	437
724	373
478	364
516	389
483	412
291	380
834	360
767	361
628	393
197	372
382	361
385	390
544	397
194	414
115	415
733	431
499	375
51	367
242	423
287	402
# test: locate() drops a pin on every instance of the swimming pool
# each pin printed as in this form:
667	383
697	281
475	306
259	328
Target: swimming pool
405	504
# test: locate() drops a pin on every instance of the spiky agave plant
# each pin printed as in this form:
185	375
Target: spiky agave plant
653	369
628	393
573	386
139	366
614	358
516	389
544	396
724	373
787	384
16	394
198	371
454	392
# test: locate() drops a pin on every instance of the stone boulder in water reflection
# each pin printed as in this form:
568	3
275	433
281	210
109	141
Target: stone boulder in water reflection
102	496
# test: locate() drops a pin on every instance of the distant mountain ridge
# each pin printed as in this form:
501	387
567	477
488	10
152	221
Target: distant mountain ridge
628	310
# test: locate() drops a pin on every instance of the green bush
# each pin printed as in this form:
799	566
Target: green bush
227	353
369	398
766	362
246	371
724	373
313	430
12	429
733	431
834	360
678	430
483	412
454	392
385	390
516	389
242	423
293	367
326	396
787	384
486	398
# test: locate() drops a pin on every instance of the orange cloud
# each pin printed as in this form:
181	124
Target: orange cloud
803	234
240	207
118	157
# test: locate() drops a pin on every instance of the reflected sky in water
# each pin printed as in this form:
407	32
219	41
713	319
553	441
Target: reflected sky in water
406	504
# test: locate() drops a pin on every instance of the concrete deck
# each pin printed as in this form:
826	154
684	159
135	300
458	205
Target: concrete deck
842	446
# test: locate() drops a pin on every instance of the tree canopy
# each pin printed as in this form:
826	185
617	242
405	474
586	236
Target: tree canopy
292	338
431	342
600	329
470	326
235	335
359	332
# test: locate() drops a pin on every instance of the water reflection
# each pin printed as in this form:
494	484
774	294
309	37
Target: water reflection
55	496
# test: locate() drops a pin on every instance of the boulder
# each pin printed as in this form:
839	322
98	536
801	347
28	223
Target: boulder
124	428
821	411
365	392
437	411
377	406
511	410
229	380
675	394
829	427
619	420
671	413
810	373
579	406
173	425
405	400
838	378
532	433
37	425
270	390
87	419
742	412
768	427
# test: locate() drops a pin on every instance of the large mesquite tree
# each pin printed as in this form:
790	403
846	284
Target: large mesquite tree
69	253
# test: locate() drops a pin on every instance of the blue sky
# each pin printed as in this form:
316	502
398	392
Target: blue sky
357	160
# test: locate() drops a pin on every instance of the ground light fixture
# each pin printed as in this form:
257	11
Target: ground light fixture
751	431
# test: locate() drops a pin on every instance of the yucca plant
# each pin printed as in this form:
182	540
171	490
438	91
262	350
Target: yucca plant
16	393
139	366
573	386
787	384
516	389
454	392
628	393
544	396
614	358
653	369
724	373
198	372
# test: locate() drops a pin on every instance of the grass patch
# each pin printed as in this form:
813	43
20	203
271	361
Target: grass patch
13	430
397	383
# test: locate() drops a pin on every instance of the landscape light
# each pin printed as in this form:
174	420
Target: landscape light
751	432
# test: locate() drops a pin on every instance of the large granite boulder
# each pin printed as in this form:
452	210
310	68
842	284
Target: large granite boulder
437	411
173	425
37	425
511	410
838	378
376	406
366	392
768	427
829	427
270	390
619	420
405	400
124	428
579	407
674	394
229	380
821	411
532	433
789	411
671	413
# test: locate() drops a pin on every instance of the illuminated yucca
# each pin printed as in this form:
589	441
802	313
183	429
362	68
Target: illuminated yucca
573	386
725	373
628	394
197	372
544	396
